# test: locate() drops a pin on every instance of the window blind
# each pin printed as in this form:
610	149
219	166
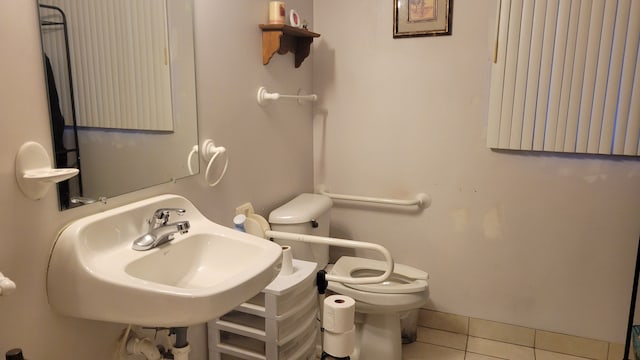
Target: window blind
566	77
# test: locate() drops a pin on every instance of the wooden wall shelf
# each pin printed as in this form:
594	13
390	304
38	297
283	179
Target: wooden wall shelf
283	39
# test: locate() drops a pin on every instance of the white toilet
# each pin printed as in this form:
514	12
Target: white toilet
378	306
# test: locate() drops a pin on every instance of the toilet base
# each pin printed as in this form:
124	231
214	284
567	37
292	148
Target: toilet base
378	337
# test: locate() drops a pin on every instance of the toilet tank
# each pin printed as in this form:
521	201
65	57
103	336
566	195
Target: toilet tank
305	214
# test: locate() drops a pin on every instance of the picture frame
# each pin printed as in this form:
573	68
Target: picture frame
413	18
294	19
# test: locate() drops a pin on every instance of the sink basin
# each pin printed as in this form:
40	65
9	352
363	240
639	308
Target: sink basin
95	274
197	263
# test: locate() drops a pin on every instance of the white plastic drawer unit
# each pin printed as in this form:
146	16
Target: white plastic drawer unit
283	327
279	323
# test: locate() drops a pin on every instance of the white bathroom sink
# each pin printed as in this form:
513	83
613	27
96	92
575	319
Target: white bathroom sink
95	274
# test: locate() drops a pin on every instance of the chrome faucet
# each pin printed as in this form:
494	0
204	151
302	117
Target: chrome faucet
160	230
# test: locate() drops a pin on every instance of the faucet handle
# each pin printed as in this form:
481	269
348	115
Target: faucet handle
161	216
183	227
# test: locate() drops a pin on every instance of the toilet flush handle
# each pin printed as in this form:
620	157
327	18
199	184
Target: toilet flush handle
314	223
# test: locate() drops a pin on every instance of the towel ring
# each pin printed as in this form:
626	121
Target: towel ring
224	170
211	152
194	151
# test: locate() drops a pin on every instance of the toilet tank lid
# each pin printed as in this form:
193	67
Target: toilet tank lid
303	208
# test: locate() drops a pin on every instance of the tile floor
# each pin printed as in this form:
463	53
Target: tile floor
444	336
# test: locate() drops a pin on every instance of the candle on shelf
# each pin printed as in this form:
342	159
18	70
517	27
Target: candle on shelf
277	12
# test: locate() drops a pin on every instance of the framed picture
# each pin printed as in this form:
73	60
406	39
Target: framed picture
422	17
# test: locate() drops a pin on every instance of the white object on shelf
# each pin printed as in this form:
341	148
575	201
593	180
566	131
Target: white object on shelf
34	172
294	19
6	286
287	261
264	95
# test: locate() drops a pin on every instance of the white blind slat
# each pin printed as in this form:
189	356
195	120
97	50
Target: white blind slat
626	85
533	76
614	77
545	74
557	74
515	20
631	146
497	76
578	77
600	91
515	138
567	77
597	13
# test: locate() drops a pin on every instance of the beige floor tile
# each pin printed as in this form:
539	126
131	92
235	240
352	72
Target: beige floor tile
501	332
571	345
442	338
499	349
548	355
616	351
472	356
443	321
421	351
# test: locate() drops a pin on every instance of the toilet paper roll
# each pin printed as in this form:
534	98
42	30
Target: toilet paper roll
287	261
339	345
338	313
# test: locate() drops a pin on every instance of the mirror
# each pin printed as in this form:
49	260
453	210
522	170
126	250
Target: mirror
122	98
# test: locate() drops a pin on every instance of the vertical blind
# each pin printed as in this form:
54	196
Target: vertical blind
119	60
566	77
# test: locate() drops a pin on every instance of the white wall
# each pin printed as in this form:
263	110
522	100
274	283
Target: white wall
270	153
540	240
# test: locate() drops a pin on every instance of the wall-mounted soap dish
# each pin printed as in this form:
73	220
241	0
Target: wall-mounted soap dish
34	172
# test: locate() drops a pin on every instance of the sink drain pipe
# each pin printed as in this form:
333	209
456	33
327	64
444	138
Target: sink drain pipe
181	348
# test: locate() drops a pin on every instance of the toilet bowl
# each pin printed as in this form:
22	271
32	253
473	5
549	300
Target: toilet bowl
404	290
378	306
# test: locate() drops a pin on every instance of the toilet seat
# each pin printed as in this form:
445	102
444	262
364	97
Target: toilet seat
404	279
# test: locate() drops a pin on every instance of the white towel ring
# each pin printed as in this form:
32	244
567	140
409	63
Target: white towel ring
194	151
224	170
210	153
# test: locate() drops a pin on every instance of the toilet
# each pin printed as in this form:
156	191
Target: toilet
378	306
